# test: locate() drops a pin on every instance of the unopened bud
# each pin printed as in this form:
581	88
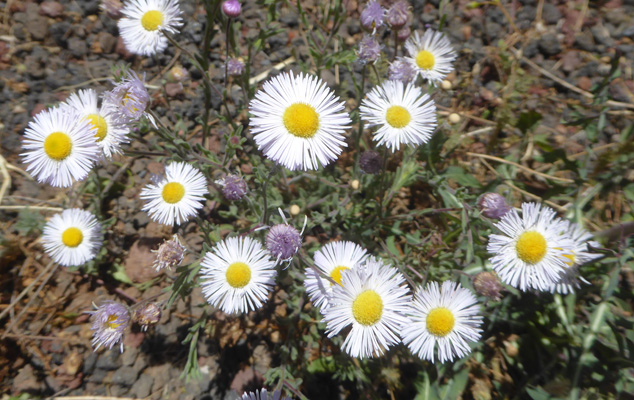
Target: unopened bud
294	210
493	205
354	184
231	8
446	85
233	187
488	285
235	66
453	118
283	241
398	15
148	315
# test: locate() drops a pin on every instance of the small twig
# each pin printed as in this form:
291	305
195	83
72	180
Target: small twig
6	182
525	169
40	208
279	66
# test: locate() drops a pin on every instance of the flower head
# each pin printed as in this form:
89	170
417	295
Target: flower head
445	316
401	70
235	66
398	14
109	132
110	320
531	252
372	16
177	196
59	147
233	187
169	254
72	237
148	315
283	241
431	55
493	205
404	115
144	23
237	275
487	284
369	50
231	8
298	122
264	395
332	260
372	299
129	99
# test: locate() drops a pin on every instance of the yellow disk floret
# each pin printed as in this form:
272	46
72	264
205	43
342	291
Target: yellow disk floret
99	125
173	192
440	321
238	275
531	247
425	60
111	322
367	308
301	120
336	273
58	146
151	20
72	237
398	117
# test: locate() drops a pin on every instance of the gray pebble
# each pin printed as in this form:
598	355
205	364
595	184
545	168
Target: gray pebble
143	386
549	44
125	376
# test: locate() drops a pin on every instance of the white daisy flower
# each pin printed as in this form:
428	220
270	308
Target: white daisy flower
237	275
264	395
298	122
144	22
531	253
580	254
431	54
176	197
404	115
332	259
73	237
373	298
60	147
109	133
447	316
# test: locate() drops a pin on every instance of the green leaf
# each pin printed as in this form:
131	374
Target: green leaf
461	177
528	120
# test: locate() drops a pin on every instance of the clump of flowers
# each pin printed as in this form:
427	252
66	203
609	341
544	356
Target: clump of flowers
110	320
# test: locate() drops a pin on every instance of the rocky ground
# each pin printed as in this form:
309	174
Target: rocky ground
48	49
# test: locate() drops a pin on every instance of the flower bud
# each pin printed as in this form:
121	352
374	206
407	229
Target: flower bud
487	284
397	15
372	16
283	241
170	254
148	315
235	67
231	8
178	74
370	162
493	205
233	187
295	210
369	50
401	70
403	33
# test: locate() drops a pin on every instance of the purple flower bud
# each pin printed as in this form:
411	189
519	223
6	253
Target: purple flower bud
493	205
370	162
235	67
401	70
283	241
109	322
170	254
233	187
403	34
487	284
369	50
372	16
398	14
231	8
149	314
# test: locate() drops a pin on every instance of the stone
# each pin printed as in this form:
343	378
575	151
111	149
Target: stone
26	381
109	360
77	47
549	44
142	387
51	9
138	263
37	26
550	13
125	376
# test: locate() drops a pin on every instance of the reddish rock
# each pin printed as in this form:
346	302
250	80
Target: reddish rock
174	89
51	9
138	263
584	83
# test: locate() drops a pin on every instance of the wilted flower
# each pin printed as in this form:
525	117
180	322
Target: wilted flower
235	66
129	98
398	14
233	187
110	321
401	70
369	50
170	254
487	284
493	205
370	162
231	8
372	16
149	314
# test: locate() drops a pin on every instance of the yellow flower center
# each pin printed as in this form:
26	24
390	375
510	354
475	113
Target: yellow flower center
99	124
151	20
531	247
111	322
238	275
58	146
397	117
336	274
301	120
72	237
367	308
173	192
440	321
425	60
